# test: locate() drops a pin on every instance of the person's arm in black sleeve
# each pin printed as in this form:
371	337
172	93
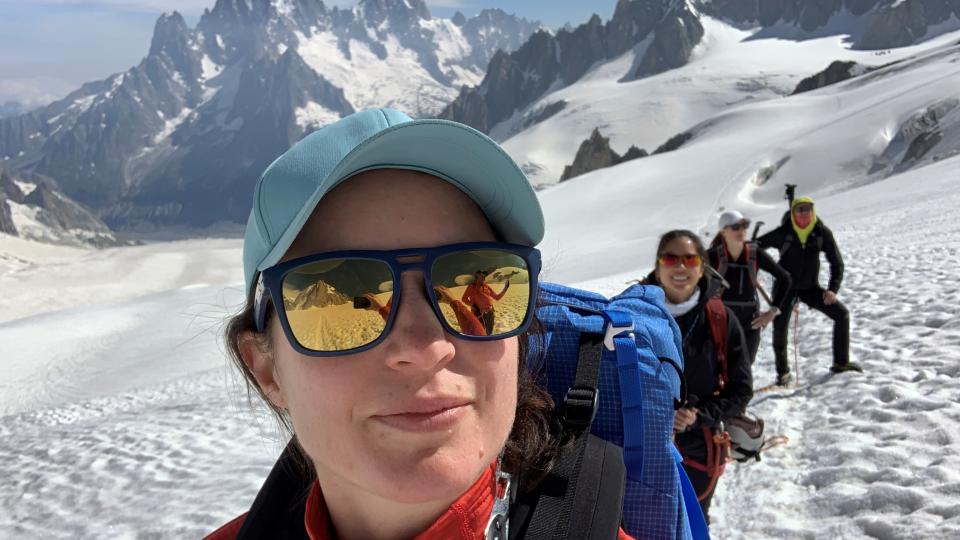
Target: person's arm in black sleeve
781	277
733	399
773	239
832	252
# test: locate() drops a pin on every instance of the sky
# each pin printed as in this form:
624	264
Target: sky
48	48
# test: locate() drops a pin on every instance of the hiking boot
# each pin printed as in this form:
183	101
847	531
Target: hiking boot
849	366
784	379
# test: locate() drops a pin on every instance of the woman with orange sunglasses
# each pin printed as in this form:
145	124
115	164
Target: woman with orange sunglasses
716	366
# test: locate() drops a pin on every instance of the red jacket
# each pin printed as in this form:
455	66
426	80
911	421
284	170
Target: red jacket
465	519
469	323
481	296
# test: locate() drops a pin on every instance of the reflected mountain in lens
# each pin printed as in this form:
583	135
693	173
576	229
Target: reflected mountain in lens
319	294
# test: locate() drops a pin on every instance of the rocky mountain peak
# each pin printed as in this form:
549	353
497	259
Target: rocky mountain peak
169	33
173	39
595	153
395	11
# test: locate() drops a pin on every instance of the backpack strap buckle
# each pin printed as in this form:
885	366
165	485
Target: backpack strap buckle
580	406
613	331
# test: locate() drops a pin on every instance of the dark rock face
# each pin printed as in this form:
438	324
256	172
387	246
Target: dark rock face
633	153
836	72
540	114
516	80
922	144
673	41
926	136
904	24
7	189
180	138
595	153
64	220
674	142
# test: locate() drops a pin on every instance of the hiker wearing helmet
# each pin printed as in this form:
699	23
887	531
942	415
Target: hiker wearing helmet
716	367
405	416
801	237
738	261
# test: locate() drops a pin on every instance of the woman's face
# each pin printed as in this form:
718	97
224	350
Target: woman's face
734	237
679	281
417	418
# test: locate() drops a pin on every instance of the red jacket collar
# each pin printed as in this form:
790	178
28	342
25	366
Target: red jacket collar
466	518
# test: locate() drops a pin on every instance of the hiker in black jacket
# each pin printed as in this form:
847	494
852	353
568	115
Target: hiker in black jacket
715	366
739	261
800	238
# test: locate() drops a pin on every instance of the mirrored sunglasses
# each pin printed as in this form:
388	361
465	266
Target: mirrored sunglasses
689	261
741	226
346	302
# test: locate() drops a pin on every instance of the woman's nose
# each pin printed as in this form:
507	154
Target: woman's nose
417	339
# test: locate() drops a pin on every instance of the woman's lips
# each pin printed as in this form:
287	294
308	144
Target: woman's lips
425	416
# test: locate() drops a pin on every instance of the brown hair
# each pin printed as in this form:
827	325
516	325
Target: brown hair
535	440
717	240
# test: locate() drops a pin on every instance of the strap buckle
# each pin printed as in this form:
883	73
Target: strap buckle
580	406
613	331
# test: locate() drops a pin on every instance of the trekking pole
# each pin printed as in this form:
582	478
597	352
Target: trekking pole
791	190
763	292
756	230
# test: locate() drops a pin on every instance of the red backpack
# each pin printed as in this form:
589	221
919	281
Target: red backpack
717	315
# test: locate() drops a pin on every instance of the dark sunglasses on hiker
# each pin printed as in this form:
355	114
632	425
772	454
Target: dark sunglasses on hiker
742	226
671	260
803	209
345	302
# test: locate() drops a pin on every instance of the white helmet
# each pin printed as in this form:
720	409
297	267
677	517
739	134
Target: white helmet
746	437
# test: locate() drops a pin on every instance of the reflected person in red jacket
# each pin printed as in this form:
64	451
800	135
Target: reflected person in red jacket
480	297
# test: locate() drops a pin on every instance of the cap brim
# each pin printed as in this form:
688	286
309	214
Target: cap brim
453	152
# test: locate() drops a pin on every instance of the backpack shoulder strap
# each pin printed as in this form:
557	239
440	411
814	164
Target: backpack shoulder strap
787	240
582	497
720	253
717	315
753	263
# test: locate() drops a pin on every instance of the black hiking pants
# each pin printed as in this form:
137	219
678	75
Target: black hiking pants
813	298
745	316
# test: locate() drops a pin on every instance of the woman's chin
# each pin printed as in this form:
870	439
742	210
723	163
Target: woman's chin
422	479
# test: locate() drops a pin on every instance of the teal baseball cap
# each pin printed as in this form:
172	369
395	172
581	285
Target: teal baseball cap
290	188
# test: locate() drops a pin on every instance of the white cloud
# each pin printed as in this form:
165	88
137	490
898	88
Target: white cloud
34	91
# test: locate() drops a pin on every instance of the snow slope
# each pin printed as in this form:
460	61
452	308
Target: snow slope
726	69
826	141
874	455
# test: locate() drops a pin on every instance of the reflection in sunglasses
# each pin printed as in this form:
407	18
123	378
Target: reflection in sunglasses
688	260
343	304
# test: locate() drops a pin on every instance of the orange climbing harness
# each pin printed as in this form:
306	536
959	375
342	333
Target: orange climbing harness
718	454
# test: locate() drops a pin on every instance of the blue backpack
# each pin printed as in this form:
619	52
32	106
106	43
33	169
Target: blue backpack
637	390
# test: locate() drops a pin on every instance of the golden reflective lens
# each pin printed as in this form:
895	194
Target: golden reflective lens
482	292
338	304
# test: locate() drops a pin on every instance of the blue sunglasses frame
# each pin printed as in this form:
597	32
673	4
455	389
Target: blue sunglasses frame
270	281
